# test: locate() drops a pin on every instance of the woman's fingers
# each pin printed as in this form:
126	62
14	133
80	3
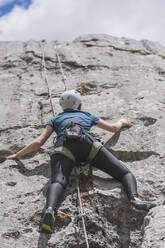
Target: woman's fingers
14	156
126	123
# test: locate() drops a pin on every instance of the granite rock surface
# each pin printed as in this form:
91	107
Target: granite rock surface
118	78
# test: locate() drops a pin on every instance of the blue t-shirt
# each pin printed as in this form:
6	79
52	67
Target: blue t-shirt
85	119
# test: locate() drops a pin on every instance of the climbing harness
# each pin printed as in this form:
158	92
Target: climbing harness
75	131
64	151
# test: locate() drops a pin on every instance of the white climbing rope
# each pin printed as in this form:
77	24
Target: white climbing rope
78	188
61	69
45	77
82	217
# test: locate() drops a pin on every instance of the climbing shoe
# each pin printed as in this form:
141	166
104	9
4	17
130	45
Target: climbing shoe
143	205
48	221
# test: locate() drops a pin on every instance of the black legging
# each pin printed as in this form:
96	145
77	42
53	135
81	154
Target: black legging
61	168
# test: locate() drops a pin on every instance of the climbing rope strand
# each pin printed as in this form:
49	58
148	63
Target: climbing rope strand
45	76
50	97
78	189
82	217
61	69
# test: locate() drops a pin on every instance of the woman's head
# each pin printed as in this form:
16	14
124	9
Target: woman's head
70	99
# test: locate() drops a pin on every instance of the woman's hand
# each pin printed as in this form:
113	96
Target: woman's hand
126	123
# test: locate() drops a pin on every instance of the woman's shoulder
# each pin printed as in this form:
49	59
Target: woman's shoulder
85	112
88	113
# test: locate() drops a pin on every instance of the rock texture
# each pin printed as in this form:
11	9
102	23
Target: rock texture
118	78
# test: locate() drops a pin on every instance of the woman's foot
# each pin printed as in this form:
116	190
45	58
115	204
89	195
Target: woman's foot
48	221
142	205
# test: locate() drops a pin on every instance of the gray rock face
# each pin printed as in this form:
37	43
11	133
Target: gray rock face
118	78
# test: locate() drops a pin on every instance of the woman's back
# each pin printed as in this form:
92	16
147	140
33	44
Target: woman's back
60	121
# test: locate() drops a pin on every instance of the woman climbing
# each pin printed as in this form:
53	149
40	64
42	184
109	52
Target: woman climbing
75	145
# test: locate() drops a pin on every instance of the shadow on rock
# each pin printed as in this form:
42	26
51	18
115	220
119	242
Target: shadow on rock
131	156
42	169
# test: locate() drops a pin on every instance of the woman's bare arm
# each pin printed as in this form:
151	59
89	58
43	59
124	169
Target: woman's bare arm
35	145
115	126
